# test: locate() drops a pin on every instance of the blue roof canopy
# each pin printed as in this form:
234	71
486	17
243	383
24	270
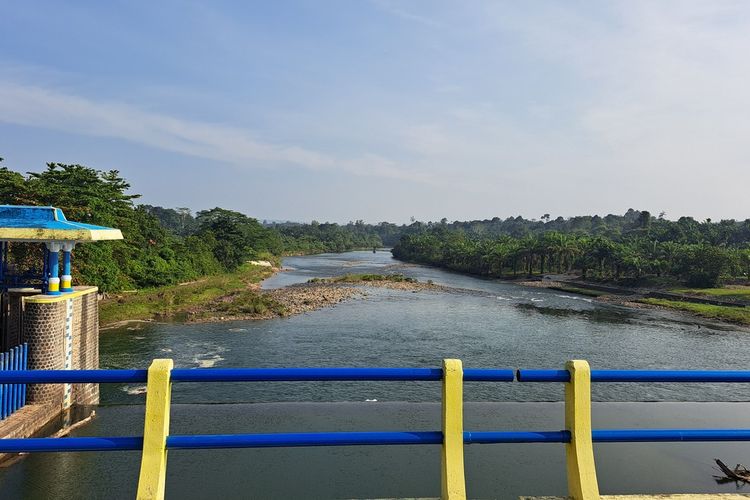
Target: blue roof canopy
40	224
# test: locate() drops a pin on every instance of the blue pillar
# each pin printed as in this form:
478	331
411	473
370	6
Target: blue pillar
66	284
53	286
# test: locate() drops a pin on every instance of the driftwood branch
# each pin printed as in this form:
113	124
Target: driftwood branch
739	473
67	430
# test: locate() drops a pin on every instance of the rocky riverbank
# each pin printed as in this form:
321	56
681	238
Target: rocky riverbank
238	296
318	293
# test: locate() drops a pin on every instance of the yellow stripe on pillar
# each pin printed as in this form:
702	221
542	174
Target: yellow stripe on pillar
582	483
153	475
453	483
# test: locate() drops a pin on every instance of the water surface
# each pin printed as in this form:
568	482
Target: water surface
492	325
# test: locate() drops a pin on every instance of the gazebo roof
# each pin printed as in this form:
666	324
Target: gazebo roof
39	224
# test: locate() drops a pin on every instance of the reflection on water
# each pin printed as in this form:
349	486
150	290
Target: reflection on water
597	315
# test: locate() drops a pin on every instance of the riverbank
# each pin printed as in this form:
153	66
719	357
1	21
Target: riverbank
317	293
705	303
176	302
237	296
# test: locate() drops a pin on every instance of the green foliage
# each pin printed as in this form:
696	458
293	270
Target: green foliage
165	246
150	254
323	238
356	278
236	237
741	293
632	256
248	302
703	265
185	299
740	315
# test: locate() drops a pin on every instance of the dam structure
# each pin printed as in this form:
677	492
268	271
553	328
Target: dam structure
46	322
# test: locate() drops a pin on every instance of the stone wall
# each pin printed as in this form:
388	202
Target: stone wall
44	332
47	321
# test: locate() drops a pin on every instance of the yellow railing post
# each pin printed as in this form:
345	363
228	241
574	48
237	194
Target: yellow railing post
156	429
582	484
453	484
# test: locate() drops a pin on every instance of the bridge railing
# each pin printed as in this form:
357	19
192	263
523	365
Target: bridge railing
13	396
577	434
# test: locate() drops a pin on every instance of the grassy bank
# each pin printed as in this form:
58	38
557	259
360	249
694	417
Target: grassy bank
358	278
739	315
176	301
732	292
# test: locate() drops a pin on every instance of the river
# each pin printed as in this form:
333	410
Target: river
485	324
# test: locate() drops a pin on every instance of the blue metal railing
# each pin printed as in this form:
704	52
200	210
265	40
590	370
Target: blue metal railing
16	377
13	393
638	376
251	375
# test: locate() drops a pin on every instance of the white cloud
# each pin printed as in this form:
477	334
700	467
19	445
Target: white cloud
503	106
38	107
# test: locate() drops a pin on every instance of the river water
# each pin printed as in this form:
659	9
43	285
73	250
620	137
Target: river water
485	324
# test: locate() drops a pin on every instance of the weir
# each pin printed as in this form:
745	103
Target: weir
577	434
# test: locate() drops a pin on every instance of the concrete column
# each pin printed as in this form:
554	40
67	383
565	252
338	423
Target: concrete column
66	284
53	282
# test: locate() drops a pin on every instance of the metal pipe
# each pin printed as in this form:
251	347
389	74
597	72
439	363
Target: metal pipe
669	435
543	375
6	387
29	445
670	376
217	441
484	375
14	358
303	374
303	439
72	376
12	376
2	387
249	375
492	437
723	376
25	367
324	374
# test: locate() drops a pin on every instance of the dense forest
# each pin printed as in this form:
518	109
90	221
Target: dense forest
164	246
161	246
630	248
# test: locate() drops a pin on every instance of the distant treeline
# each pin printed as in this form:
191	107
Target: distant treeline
170	245
632	247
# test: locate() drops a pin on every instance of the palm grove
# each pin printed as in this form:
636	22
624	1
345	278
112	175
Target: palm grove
164	246
636	248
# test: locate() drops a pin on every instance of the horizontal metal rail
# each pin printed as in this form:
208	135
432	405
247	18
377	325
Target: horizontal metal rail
250	375
638	376
362	374
289	440
72	376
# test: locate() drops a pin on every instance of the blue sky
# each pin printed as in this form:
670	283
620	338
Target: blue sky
383	110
